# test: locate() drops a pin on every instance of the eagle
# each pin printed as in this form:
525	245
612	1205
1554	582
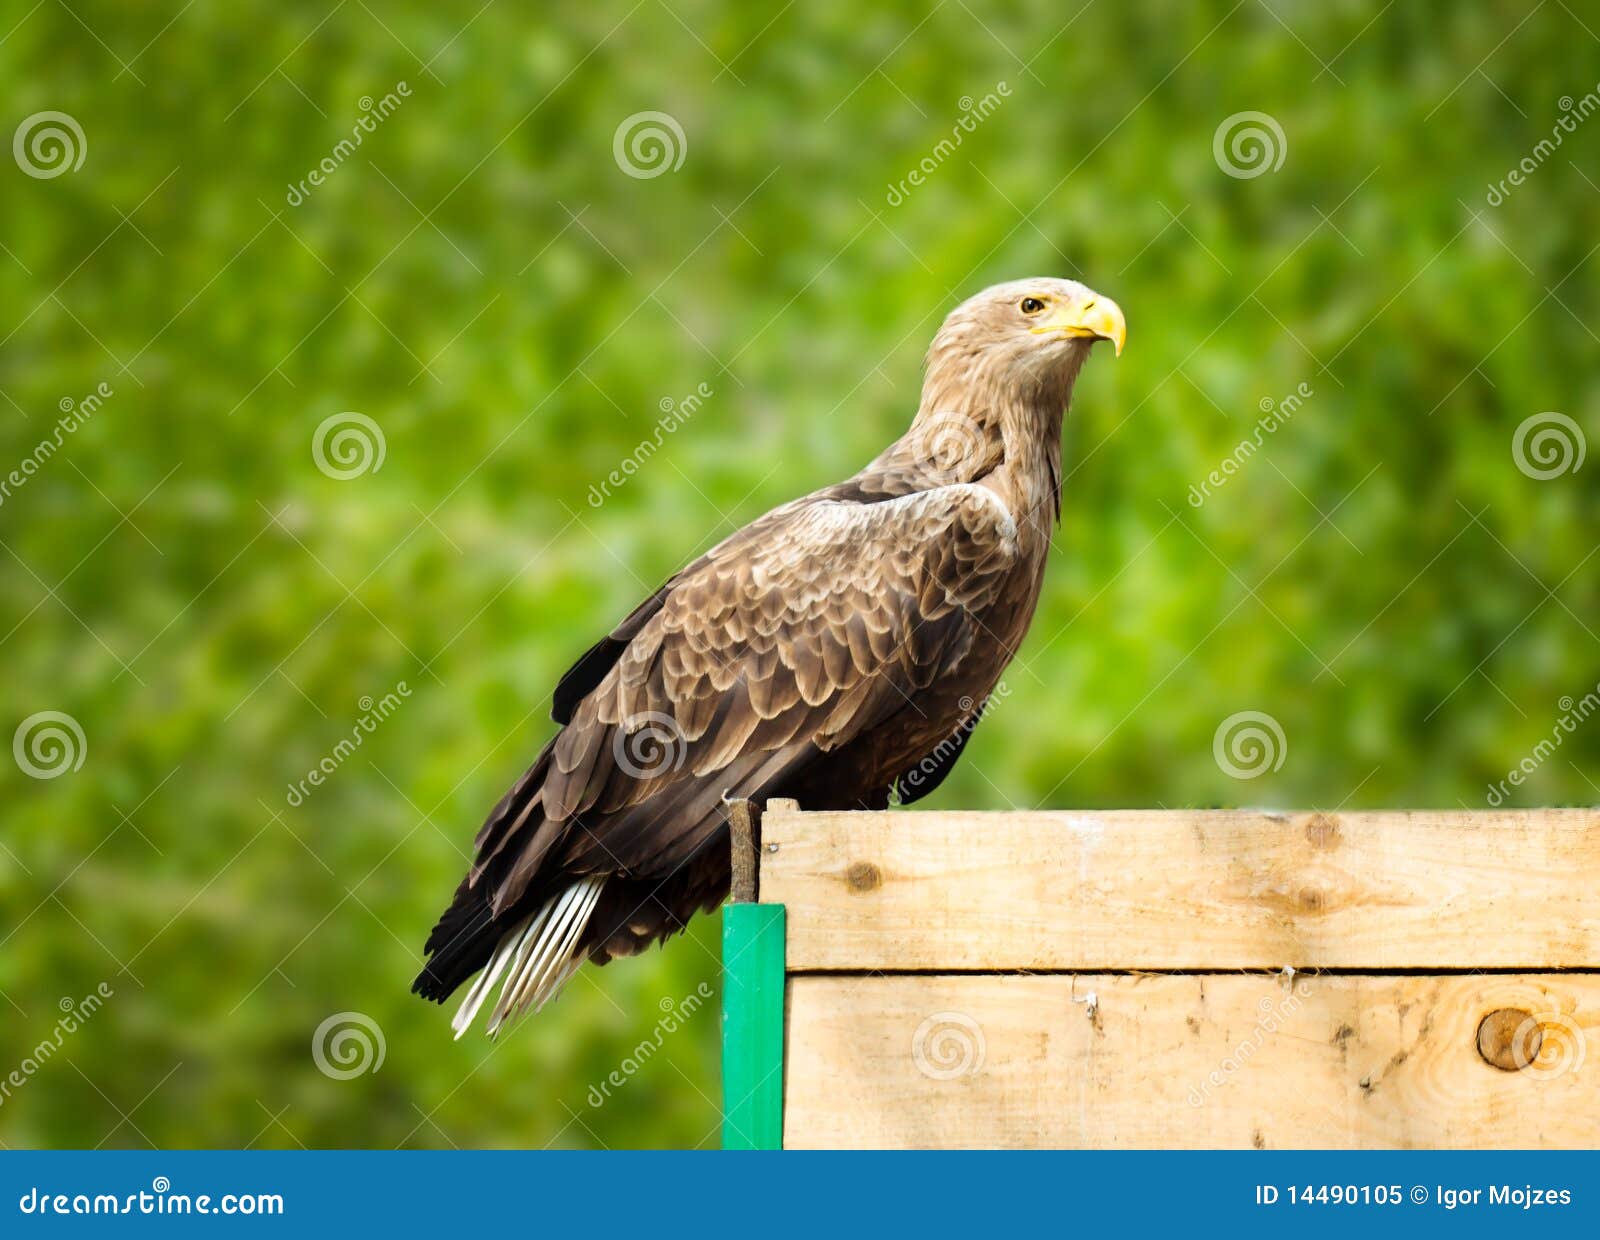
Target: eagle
837	651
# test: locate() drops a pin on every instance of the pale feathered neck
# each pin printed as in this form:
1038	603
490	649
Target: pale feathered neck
1014	403
1024	390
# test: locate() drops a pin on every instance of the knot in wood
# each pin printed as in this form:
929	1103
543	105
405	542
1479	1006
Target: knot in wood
1510	1039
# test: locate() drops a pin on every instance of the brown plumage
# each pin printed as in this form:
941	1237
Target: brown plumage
825	652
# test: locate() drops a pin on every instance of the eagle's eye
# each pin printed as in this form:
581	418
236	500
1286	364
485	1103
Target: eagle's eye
1031	305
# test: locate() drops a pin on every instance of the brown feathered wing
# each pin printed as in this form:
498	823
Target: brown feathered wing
764	659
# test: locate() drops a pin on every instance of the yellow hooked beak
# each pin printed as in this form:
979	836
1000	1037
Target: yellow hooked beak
1088	315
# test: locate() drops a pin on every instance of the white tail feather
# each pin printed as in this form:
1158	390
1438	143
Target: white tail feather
551	916
516	947
484	983
513	949
554	971
536	957
550	952
561	979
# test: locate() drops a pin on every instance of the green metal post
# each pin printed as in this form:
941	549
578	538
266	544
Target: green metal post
752	1026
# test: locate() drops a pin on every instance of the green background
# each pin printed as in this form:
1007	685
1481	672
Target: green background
483	281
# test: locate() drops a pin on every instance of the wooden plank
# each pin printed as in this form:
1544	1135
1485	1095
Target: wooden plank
752	1026
1191	1061
1186	889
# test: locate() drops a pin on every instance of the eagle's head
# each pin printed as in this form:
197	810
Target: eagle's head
1024	318
1022	336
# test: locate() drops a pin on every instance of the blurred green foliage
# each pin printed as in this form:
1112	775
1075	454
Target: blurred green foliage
481	279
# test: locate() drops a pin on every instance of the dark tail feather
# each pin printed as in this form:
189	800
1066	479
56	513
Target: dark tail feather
461	943
467	934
